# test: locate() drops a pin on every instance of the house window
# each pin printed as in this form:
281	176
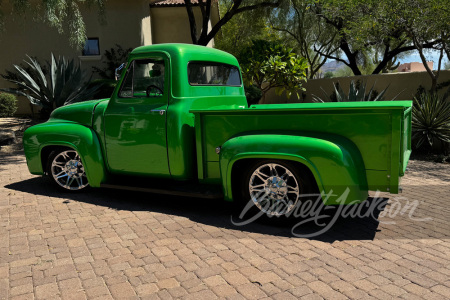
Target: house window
92	47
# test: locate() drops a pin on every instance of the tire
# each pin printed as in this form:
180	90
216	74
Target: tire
271	191
66	171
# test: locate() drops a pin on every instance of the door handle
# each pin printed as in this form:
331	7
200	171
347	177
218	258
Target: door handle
161	111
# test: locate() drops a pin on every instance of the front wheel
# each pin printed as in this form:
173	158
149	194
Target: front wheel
275	188
66	170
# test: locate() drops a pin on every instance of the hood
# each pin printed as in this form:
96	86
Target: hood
80	112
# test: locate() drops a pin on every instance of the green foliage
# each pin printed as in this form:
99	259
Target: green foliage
14	75
343	72
65	84
306	32
447	65
328	74
357	92
430	120
114	57
244	27
272	65
253	94
64	15
8	105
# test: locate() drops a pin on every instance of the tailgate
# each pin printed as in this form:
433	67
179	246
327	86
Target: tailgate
405	142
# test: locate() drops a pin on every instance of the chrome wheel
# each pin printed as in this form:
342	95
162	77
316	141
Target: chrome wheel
274	189
67	170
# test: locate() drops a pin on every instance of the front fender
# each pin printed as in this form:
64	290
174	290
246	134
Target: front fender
335	161
69	134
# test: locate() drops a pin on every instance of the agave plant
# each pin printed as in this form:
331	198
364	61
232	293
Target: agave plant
430	119
64	84
356	93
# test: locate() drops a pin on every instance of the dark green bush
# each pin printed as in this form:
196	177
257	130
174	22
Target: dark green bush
253	94
431	123
8	105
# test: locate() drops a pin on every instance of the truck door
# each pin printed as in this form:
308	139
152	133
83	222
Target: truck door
135	120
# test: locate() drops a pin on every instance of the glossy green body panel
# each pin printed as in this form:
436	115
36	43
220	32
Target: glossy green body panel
135	131
363	146
79	112
68	134
375	128
337	155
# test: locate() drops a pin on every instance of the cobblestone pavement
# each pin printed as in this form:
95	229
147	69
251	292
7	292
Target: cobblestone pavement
107	244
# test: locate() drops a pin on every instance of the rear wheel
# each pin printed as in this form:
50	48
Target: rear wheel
273	189
66	170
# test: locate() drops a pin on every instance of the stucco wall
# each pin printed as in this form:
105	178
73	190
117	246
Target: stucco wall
129	24
171	25
402	84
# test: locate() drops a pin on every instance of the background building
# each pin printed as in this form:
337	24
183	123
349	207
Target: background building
414	67
128	23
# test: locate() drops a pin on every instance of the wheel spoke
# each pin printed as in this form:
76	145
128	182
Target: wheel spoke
78	181
262	176
62	172
273	170
68	183
64	175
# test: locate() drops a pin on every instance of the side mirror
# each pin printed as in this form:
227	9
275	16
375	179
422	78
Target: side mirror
116	73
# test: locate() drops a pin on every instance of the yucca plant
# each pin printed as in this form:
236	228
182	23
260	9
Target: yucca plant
430	120
66	83
356	93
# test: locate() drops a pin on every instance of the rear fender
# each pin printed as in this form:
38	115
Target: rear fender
334	161
73	135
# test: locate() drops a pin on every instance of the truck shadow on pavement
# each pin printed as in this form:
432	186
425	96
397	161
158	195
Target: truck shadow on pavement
215	213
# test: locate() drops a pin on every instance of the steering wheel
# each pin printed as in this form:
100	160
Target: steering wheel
150	87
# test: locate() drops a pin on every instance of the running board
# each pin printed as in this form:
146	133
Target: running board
195	191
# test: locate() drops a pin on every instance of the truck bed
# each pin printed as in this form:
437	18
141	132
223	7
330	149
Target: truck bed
380	130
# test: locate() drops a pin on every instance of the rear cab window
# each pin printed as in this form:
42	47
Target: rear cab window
202	73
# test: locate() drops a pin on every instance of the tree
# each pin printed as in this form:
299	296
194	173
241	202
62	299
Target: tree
374	24
306	32
64	15
425	21
242	29
447	65
328	74
233	7
270	64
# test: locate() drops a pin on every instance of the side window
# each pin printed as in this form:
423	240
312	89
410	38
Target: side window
144	78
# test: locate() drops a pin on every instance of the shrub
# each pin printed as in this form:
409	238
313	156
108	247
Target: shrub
357	92
65	84
270	64
431	122
253	94
8	105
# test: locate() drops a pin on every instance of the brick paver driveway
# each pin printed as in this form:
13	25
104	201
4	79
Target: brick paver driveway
108	244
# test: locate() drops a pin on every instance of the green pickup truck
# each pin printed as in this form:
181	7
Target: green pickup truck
178	123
